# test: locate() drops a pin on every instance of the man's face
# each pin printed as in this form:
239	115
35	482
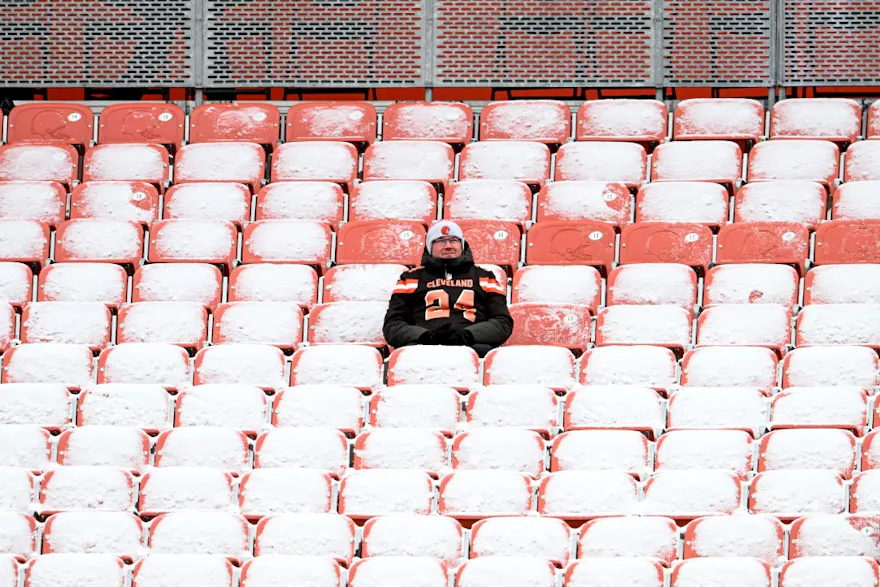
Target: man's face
447	247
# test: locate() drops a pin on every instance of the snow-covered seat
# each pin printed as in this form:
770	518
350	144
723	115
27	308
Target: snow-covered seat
804	160
476	494
87	488
524	536
200	532
722	119
24	241
430	161
134	201
167	489
653	284
550	324
600	450
305	242
70	570
155	363
94	532
24	445
454	366
364	493
247	364
729	450
177	282
276	491
33	200
489	199
791	493
823	407
398	570
35	162
756	536
193	241
751	283
271	282
126	447
865	492
401	448
544	121
525	161
433	407
86	323
275	323
583	495
831	366
210	162
843	284
248	121
805	448
710	161
594	572
682	201
68	364
826	570
628	538
303	447
870	450
729	367
636	121
7	325
20	535
350	365
655	325
17	489
203	446
856	201
836	324
643	366
439	537
35	404
781	201
306	535
393	200
604	201
101	241
450	122
242	407
494	448
330	161
83	282
688	494
723	408
361	282
766	325
510	571
322	201
127	162
16	283
722	570
600	161
275	569
833	535
354	122
533	407
553	367
832	119
614	407
181	323
348	323
209	201
157	570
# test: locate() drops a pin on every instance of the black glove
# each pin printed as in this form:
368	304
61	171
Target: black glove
458	338
436	335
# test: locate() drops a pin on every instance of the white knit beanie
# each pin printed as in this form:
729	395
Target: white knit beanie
441	229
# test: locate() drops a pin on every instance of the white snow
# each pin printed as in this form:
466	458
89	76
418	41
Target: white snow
435	121
803	448
424	160
37	404
203	446
735	536
17	536
645	324
853	324
817	406
67	322
217	201
865	491
300	200
574	284
621	119
351	365
333	120
511	449
692	492
434	407
272	491
601	161
719	407
155	363
730	367
236	121
829	535
193	239
510	571
194	532
24	446
683	201
401	448
95	532
23	239
782	201
601	450
371	492
831	365
87	488
752	284
629	536
16	489
857	201
234	406
588	494
168	489
178	282
319	448
490	199
102	240
586	200
220	162
118	404
21	200
15	283
164	570
398	200
361	283
816	117
413	535
798	492
37	163
183	323
745	325
412	571
532	365
319	406
455	366
521	160
653	283
248	364
830	570
845	284
315	160
518	406
614	406
76	570
644	366
526	120
277	323
485	493
126	447
269	282
697	161
522	537
610	572
289	240
84	282
113	200
271	570
719	118
70	364
125	162
793	160
739	571
306	535
705	449
348	322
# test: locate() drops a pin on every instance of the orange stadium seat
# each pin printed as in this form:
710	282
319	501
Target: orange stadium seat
712	161
365	572
652	283
324	405
288	241
550	324
155	569
766	325
831	366
163	124
238	162
576	496
544	121
271	282
203	446
22	538
66	322
102	241
292	447
88	446
790	494
25	241
761	537
525	161
684	201
621	407
725	570
689	494
500	449
635	571
624	163
493	242
598	450
246	364
18	489
764	242
571	243
511	570
820	407
428	161
32	200
533	407
585	200
16	283
847	241
475	494
847	532
280	491
46	405
376	241
7	325
316	161
127	162
135	201
842	284
662	242
393	200
816	571
83	282
178	282
249	122
199	532
347	323
874	121
301	200
457	367
181	323
781	201
855	201
353	365
635	121
39	162
506	200
275	323
724	408
141	363
802	160
575	284
366	493
86	488
449	122
408	535
71	124
361	283
722	119
864	498
549	366
729	366
208	201
643	366
88	568
299	535
849	324
354	122
803	448
68	364
683	450
831	119
400	448
193	241
554	537
654	325
432	407
862	162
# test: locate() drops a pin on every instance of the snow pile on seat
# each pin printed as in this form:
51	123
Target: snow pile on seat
14	282
413	535
484	493
433	121
752	284
108	446
730	367
30	201
21	239
163	322
589	493
782	201
167	489
221	201
857	200
613	406
521	160
333	406
194	532
379	200
745	324
855	324
41	404
626	118
510	571
535	365
692	492
268	282
102	239
814	118
147	363
718	407
654	283
594	200
792	160
817	406
401	448
705	449
350	322
117	404
178	282
828	570
247	364
319	448
526	119
522	537
491	199
696	161
601	161
801	448
629	536
719	117
92	488
601	450
67	322
242	407
746	572
276	323
85	282
193	239
518	406
643	366
270	491
797	492
845	284
218	162
826	366
364	283
434	407
290	239
75	570
428	364
306	535
36	163
315	160
634	572
276	569
89	532
398	570
160	570
130	162
408	160
385	491
350	365
647	324
204	446
684	201
114	200
510	449
563	284
16	489
831	535
17	536
301	200
50	363
734	536
866	490
24	446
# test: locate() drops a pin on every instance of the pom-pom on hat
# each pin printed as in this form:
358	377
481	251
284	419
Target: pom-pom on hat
441	229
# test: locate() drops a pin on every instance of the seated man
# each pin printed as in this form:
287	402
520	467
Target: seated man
448	300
